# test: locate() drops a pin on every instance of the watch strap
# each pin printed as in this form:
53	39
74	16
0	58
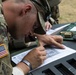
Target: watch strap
27	63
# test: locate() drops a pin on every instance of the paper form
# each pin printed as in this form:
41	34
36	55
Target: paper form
53	54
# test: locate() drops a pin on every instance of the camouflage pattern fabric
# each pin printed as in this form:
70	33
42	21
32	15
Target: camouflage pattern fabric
5	64
49	9
54	9
55	13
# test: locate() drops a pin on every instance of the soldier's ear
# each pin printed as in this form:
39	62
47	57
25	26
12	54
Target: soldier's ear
26	8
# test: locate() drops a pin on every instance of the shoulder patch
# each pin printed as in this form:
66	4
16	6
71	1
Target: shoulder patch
3	51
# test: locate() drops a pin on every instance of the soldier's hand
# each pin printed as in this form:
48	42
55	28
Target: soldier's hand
57	38
47	25
51	40
36	57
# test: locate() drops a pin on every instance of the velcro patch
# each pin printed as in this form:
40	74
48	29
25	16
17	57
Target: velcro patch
3	51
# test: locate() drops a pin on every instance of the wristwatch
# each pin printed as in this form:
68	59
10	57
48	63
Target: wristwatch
27	63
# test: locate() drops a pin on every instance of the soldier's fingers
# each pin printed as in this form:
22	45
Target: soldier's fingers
48	26
40	48
58	38
43	53
55	43
42	58
40	43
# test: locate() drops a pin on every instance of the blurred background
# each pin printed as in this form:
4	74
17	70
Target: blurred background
67	11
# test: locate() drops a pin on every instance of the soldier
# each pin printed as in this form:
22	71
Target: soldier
21	18
52	15
55	13
53	10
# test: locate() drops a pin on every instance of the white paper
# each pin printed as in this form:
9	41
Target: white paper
57	30
53	54
73	29
60	53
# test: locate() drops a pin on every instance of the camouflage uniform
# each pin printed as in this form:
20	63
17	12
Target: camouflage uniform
53	10
55	13
5	64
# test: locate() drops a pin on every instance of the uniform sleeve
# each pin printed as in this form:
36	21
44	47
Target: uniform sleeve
17	71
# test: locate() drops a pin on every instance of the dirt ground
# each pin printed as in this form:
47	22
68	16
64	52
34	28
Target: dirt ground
67	11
